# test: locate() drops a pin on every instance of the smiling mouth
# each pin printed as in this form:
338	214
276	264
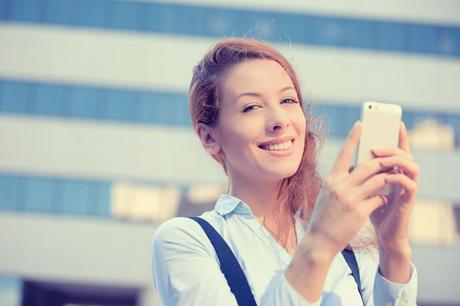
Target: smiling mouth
283	146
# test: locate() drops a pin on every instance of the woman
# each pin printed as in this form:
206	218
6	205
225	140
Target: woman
286	228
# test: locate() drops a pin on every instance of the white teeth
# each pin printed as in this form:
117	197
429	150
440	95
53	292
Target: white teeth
277	147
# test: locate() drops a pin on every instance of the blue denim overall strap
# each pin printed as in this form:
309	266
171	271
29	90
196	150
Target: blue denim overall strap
234	275
350	258
229	265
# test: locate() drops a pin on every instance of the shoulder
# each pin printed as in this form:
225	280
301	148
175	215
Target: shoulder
177	230
180	234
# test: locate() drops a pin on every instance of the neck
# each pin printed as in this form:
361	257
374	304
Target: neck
259	195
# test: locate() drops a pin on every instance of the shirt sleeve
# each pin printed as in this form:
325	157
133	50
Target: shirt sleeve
281	292
186	271
399	294
378	291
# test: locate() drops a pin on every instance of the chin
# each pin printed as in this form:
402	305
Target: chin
280	174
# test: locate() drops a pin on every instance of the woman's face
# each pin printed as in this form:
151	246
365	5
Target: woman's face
261	126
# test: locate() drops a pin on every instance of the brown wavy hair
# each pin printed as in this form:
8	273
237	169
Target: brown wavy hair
296	192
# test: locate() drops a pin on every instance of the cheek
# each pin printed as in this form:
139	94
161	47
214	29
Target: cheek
234	141
240	132
300	124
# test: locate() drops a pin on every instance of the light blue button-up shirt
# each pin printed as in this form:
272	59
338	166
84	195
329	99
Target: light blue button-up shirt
186	268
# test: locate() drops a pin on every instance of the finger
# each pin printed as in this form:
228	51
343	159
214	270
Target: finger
384	152
410	168
403	139
348	149
375	202
364	171
370	187
402	180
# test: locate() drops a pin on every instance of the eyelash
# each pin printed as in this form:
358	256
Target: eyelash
250	107
293	101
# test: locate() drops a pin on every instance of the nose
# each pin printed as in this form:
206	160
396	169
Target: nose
277	120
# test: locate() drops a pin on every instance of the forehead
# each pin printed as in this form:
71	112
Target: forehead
256	75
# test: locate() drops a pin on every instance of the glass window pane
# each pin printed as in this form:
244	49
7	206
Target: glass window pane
392	36
125	15
50	100
121	105
9	192
95	13
62	12
14	96
423	39
361	33
74	197
26	10
101	204
86	102
40	194
449	41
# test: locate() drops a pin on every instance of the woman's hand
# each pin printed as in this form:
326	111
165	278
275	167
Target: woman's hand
346	200
391	222
344	204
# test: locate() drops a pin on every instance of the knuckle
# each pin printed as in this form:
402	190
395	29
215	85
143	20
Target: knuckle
347	206
337	194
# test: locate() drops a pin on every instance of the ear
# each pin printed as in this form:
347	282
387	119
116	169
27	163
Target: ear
207	138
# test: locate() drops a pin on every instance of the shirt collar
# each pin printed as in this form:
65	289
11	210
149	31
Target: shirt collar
227	204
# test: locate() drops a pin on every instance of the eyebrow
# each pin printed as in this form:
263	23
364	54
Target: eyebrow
256	94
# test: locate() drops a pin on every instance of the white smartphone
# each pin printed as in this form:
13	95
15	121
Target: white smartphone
380	128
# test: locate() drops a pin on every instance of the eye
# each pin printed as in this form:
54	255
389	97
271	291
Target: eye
250	107
289	101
